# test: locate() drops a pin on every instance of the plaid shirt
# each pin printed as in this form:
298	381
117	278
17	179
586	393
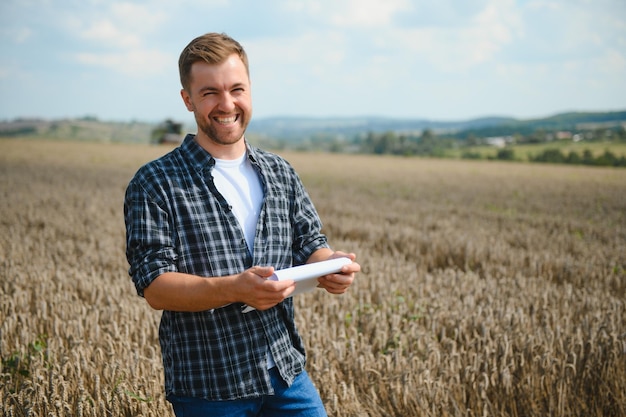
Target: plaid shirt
176	220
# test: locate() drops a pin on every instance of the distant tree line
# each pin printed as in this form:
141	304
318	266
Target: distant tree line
428	144
18	131
391	143
555	156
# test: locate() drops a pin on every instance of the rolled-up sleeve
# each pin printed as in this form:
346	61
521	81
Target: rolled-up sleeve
307	225
149	248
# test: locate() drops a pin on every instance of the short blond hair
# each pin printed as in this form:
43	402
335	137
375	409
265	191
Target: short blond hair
212	48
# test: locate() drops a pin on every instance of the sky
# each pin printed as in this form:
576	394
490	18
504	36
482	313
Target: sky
445	60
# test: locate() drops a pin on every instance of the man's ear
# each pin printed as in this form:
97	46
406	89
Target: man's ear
187	100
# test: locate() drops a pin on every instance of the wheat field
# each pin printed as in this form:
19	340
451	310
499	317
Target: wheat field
487	288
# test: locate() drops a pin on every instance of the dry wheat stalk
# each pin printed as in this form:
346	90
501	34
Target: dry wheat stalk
487	289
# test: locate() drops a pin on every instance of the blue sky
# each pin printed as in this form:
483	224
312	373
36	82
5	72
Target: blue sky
438	60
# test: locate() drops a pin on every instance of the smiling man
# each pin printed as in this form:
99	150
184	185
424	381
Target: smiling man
206	225
219	96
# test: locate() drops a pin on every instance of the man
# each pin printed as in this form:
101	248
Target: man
206	225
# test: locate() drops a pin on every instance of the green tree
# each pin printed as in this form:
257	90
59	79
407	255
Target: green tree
551	155
588	158
573	158
506	154
608	158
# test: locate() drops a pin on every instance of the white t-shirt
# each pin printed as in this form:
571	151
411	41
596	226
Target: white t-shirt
240	185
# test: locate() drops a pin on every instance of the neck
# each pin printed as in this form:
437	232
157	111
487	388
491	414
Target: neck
226	151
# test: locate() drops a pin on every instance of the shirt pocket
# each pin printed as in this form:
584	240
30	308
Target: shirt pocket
204	237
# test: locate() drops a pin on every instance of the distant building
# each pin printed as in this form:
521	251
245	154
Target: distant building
499	141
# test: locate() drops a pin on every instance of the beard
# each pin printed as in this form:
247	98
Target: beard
221	135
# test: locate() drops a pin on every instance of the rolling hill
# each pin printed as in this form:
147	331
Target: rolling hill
296	129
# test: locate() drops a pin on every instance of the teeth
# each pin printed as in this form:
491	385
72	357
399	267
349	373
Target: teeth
226	120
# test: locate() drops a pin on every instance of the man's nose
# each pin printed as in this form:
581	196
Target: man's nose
227	103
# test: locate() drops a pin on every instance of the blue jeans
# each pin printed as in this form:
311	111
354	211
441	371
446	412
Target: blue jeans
301	399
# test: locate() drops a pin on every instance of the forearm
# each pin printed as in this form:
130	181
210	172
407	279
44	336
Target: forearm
176	291
319	255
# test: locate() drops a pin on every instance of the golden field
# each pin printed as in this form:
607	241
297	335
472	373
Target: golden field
488	288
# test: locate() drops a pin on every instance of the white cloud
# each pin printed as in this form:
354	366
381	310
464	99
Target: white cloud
366	13
134	62
5	72
118	25
19	35
613	61
120	38
140	17
111	35
348	14
473	41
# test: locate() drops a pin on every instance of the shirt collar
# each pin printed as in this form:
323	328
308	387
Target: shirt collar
200	159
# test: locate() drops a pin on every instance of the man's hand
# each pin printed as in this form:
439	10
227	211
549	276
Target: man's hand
255	290
340	282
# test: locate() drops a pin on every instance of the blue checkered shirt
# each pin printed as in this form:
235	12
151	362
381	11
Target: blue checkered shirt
177	221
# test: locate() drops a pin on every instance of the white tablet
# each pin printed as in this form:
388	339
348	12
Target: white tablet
306	275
